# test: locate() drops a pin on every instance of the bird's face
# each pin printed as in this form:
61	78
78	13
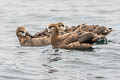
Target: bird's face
61	26
108	30
52	27
21	31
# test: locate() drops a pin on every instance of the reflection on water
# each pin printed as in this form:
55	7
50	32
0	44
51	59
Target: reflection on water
45	63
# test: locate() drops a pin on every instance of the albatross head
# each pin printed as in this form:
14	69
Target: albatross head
21	31
52	28
61	26
108	30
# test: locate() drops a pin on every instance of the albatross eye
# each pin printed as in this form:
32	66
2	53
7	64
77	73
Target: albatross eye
62	25
50	27
22	31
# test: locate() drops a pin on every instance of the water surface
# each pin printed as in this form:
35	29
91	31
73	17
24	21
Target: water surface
43	63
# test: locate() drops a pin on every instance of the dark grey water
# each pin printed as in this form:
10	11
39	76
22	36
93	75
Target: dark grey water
43	63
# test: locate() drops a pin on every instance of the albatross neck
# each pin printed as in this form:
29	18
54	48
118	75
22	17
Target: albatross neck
54	35
24	39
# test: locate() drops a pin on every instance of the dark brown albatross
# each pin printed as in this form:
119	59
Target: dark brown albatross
27	39
97	29
71	40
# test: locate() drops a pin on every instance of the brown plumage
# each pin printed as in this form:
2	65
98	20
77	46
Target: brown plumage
90	37
42	34
45	32
60	24
27	39
99	30
70	29
102	30
61	27
67	41
65	29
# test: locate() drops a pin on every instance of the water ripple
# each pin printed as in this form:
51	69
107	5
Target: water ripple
45	63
